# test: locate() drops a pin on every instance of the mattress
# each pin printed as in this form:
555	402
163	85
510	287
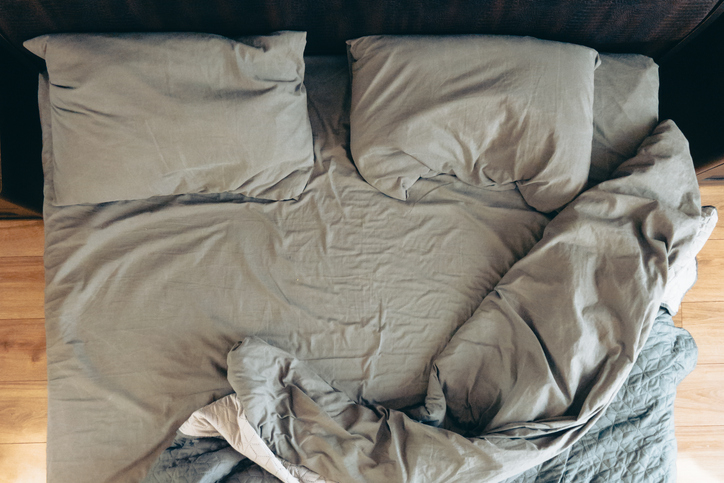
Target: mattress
145	299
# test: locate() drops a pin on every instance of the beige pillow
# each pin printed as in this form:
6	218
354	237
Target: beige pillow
625	110
140	115
491	110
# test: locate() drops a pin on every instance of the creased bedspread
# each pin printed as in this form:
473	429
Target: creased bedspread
145	299
633	441
530	372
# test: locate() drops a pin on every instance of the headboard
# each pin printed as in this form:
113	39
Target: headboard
651	27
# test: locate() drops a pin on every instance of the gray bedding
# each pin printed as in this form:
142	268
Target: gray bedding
533	368
360	292
633	441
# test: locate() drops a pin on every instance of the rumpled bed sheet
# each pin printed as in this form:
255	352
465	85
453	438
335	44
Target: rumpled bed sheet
633	441
535	368
364	315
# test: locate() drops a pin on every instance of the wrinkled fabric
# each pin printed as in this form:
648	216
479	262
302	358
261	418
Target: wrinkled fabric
489	109
137	115
190	460
625	110
144	299
683	272
534	367
633	441
225	419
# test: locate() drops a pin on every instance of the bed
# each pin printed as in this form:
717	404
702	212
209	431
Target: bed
273	254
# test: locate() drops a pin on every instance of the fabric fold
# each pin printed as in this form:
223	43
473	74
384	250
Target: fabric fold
530	371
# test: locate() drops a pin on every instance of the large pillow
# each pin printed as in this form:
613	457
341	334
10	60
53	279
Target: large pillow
625	110
492	110
141	115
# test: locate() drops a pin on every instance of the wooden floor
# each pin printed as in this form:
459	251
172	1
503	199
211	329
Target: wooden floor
700	398
23	381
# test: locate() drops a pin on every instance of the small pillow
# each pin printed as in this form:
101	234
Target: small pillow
625	110
488	109
141	115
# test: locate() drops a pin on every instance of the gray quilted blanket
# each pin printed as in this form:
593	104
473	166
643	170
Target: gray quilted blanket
632	442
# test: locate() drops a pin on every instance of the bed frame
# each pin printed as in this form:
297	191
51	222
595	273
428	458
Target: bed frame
685	36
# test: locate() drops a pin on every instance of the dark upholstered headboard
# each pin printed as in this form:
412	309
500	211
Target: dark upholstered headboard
644	26
651	27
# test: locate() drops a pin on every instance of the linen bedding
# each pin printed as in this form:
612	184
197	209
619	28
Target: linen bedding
145	299
141	115
633	440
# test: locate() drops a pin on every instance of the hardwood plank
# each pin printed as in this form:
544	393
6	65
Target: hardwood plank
701	451
705	322
710	285
679	317
714	195
700	397
22	463
21	238
23	412
15	211
22	350
22	284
